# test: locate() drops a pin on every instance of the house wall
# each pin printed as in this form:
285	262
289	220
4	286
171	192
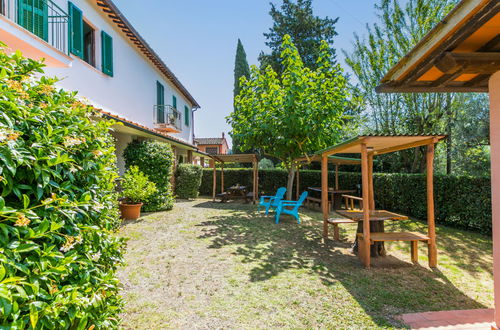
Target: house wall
219	147
121	142
494	90
131	92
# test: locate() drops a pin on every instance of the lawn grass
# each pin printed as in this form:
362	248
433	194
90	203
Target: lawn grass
213	265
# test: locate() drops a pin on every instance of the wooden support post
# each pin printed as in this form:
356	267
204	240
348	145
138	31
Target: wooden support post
336	176
222	177
190	156
414	252
214	183
324	194
365	242
254	183
431	227
370	181
298	183
202	161
256	190
336	232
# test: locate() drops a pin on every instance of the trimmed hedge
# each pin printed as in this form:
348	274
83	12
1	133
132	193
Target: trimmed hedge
461	201
156	160
188	180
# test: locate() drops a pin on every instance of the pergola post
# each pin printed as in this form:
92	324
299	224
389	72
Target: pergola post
336	176
431	227
255	182
298	182
214	182
324	194
364	246
370	181
222	177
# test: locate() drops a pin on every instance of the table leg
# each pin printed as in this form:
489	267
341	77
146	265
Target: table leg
414	252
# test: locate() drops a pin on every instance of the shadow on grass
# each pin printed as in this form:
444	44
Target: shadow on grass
391	287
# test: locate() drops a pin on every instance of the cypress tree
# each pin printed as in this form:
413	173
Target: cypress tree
241	68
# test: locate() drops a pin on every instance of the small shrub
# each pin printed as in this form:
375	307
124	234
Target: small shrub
155	159
188	180
58	209
136	187
266	164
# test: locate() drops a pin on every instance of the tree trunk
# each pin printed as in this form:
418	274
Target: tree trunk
289	186
378	248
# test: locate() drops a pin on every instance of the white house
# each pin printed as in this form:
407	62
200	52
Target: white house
92	47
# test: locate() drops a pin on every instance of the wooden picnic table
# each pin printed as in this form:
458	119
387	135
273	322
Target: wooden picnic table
336	195
234	192
377	218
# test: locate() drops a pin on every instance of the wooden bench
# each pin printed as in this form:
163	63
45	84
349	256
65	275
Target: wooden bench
412	237
335	223
310	201
223	197
349	202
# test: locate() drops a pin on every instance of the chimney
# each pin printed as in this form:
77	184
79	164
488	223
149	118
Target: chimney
223	135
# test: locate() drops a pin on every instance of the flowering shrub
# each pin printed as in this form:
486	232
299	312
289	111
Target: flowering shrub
155	159
58	254
188	180
136	186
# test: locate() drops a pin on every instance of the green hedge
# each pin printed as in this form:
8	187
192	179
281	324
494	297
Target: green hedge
155	159
188	180
58	209
462	202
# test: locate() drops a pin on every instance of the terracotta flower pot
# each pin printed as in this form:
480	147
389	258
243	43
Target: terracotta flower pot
130	211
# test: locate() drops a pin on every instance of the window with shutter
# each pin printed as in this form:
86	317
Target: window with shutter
107	53
33	16
76	30
186	116
160	103
174	101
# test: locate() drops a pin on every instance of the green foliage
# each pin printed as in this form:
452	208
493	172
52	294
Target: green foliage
136	187
399	28
461	201
266	164
296	114
58	253
241	69
155	159
307	32
188	180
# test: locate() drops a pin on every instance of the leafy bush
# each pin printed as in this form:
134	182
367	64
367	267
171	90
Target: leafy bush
265	164
155	159
461	201
188	180
58	254
136	186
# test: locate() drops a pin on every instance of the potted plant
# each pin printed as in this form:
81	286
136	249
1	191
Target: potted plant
136	188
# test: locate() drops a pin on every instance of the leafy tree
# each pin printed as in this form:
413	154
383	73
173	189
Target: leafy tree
299	113
241	69
399	29
307	31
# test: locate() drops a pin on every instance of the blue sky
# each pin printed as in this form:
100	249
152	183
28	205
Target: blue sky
197	39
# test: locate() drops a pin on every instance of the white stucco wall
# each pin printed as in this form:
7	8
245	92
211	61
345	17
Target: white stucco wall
131	92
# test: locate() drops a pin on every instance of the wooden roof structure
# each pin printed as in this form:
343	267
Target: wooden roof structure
337	160
458	55
369	146
235	158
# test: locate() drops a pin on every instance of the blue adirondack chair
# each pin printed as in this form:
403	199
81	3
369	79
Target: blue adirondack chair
272	201
290	207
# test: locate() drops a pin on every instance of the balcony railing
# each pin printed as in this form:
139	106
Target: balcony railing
41	17
167	118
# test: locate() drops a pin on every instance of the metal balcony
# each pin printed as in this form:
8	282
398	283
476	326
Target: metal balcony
167	119
43	18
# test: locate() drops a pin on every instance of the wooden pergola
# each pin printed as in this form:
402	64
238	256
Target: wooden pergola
235	158
369	147
336	160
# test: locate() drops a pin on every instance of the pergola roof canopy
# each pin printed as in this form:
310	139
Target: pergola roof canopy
380	144
337	160
458	55
235	158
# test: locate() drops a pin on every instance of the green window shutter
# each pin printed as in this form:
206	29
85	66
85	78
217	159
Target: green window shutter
174	101
76	30
33	16
107	53
160	102
186	116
